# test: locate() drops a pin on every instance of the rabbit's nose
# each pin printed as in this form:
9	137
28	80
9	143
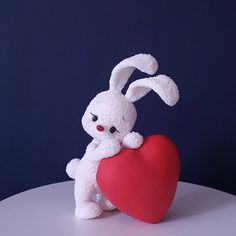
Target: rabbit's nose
100	128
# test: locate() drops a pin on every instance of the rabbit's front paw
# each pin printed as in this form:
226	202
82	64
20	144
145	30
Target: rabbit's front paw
133	140
108	148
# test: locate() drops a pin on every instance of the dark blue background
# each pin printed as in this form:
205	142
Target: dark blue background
56	55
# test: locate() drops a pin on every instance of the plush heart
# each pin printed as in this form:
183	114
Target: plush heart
142	182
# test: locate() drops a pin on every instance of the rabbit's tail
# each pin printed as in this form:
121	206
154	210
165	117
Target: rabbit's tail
72	168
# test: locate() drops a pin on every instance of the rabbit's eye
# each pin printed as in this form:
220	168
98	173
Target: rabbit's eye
95	118
113	130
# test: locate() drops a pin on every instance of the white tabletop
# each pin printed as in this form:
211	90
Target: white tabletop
48	210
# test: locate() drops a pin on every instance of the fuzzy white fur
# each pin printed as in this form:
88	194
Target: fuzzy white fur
121	72
161	84
113	111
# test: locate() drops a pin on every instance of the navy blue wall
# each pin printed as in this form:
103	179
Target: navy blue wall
56	55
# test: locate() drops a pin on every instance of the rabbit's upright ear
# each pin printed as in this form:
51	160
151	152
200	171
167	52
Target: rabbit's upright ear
122	71
161	84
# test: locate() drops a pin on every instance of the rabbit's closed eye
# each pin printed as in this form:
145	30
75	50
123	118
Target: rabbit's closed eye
113	130
94	118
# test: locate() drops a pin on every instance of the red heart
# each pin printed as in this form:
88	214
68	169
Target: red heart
142	182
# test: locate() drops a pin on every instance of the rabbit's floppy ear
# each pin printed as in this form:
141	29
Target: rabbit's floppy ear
122	71
161	84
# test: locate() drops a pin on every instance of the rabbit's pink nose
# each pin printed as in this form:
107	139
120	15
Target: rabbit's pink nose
100	128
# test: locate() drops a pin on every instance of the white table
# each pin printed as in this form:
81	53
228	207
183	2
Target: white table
48	210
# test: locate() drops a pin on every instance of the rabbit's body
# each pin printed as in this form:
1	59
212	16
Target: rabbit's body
109	119
84	172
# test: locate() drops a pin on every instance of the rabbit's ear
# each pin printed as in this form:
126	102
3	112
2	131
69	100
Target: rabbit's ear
161	84
122	71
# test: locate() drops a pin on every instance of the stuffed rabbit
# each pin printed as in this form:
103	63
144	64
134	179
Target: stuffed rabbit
109	119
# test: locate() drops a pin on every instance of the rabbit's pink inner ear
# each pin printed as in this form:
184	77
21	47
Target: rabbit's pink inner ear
122	71
161	84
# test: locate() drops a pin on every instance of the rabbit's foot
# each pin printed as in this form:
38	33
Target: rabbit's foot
88	210
107	205
104	202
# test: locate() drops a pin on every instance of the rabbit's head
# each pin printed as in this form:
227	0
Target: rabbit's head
111	114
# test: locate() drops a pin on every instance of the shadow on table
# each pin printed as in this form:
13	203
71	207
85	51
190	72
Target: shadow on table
108	214
197	203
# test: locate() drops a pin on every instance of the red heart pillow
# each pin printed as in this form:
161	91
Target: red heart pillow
142	182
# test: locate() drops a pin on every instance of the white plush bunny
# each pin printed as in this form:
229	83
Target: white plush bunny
109	119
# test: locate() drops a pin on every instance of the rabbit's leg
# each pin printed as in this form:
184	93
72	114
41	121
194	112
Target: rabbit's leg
105	204
85	207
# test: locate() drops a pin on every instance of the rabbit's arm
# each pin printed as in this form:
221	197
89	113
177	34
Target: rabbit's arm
106	148
92	146
132	140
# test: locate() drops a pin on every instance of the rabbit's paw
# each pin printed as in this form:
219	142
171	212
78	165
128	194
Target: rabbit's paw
133	140
72	167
